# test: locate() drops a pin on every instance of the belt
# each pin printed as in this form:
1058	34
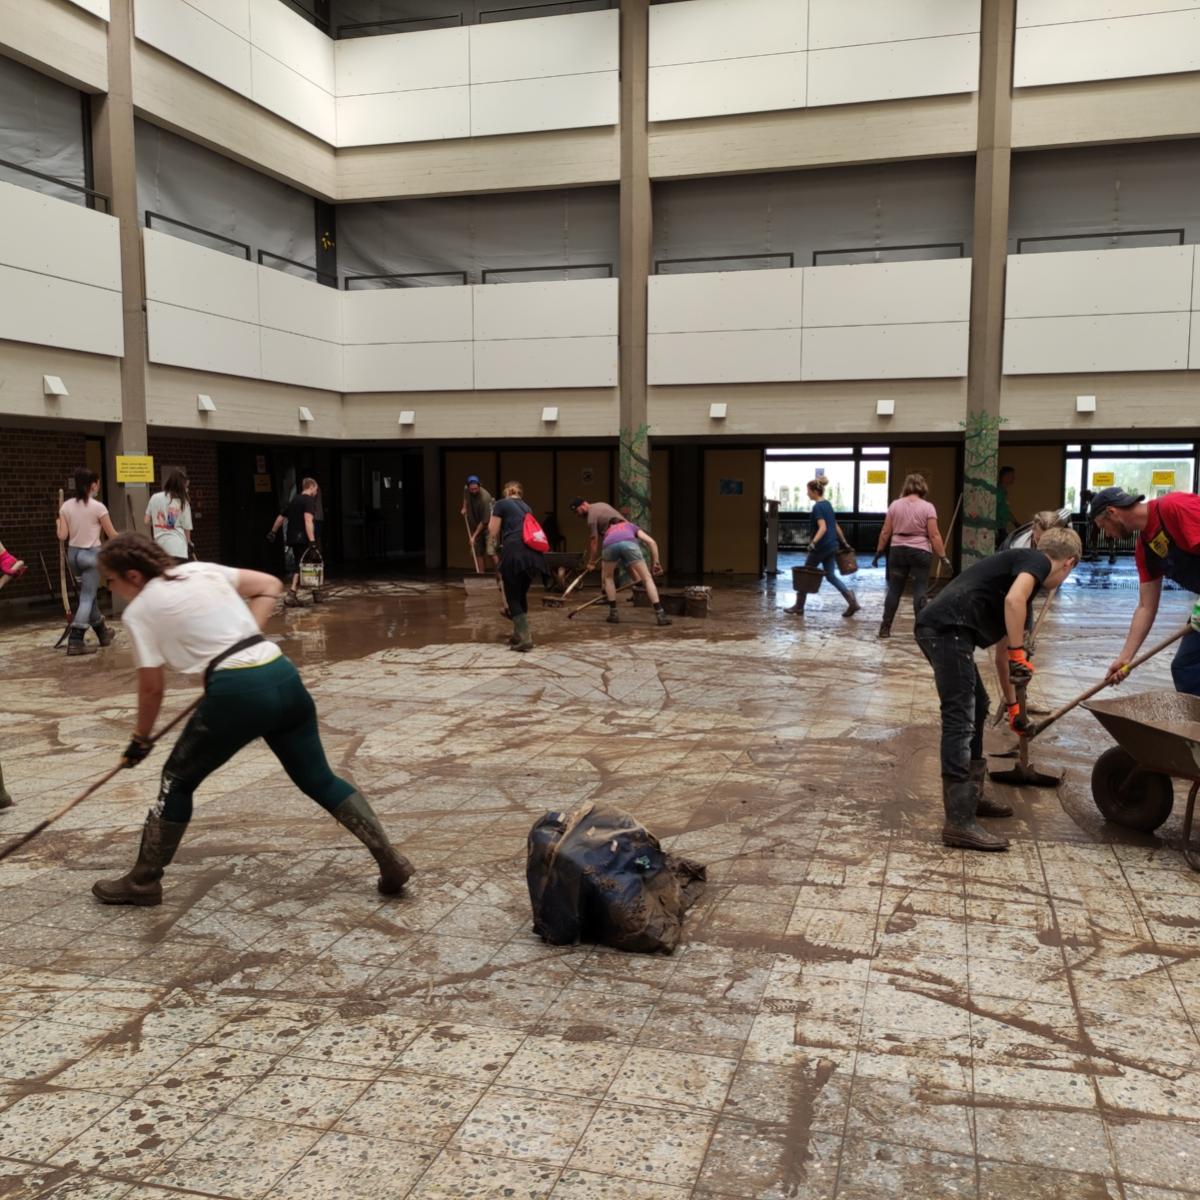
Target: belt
236	648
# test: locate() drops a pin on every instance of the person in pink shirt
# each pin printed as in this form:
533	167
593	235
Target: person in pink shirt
81	520
911	529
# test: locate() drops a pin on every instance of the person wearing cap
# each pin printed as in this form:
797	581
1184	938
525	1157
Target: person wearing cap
598	516
1167	547
477	508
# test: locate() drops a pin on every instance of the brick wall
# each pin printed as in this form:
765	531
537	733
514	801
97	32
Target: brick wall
34	464
199	459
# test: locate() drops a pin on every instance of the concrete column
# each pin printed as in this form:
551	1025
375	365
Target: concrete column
633	468
993	162
116	174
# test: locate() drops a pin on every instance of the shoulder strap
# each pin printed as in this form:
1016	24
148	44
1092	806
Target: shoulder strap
236	648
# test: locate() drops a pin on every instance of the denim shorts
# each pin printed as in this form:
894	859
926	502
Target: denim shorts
625	553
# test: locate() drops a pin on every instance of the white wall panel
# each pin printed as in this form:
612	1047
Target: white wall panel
98	8
233	14
743	356
932	351
575	44
415	367
55	237
562	309
726	300
1194	352
547	363
1081	282
296	99
1128	342
182	337
709	89
888	293
700	30
59	312
186	34
391	315
1155	44
403	62
1058	12
299	306
191	276
564	102
288	37
304	361
858	22
404	117
891	70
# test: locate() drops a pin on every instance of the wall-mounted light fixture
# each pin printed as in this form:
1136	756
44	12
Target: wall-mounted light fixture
204	403
549	416
53	386
718	412
305	414
408	417
1085	404
885	408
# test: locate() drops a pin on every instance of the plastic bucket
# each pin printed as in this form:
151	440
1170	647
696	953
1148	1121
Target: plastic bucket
806	580
312	573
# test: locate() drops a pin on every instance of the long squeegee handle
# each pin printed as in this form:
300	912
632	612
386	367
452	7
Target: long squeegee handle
1042	726
41	826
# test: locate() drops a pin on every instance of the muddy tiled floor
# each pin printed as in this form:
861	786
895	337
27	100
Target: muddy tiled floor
856	1012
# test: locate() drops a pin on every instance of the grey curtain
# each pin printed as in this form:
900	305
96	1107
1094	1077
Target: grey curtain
41	127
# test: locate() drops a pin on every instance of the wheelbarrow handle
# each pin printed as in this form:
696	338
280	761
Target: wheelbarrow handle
1042	726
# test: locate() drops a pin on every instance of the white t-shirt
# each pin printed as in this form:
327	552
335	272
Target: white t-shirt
187	620
169	519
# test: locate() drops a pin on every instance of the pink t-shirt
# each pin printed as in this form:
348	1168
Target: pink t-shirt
910	522
83	523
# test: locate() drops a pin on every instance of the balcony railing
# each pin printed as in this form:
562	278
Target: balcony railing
90	197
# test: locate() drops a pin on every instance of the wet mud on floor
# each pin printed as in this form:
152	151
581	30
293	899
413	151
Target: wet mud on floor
854	1011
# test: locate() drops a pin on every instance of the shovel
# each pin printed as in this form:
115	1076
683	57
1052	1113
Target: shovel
596	600
1023	775
559	601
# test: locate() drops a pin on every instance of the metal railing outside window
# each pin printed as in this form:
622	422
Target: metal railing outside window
1047	243
90	197
417	279
553	274
153	218
914	252
725	262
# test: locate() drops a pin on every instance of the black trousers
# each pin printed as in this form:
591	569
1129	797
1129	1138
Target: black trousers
964	699
904	563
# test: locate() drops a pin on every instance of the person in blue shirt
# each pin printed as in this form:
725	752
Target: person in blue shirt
823	548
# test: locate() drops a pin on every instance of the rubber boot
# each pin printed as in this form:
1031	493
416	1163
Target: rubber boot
290	599
983	806
852	606
660	616
76	644
143	885
613	618
356	816
797	609
6	801
885	630
521	625
961	828
104	635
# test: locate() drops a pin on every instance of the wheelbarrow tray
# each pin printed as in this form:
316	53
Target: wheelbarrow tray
1159	730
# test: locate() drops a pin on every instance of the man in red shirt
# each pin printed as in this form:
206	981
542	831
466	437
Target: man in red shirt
1168	547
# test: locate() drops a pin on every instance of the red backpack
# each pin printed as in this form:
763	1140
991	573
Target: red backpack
534	535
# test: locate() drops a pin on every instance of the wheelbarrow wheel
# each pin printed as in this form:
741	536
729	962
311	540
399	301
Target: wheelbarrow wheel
1129	796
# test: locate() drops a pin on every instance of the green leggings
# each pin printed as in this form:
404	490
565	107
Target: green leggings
242	704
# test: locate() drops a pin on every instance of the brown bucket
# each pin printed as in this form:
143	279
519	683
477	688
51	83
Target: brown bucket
806	580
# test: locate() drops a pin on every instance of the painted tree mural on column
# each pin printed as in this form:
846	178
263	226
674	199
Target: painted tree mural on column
633	475
981	455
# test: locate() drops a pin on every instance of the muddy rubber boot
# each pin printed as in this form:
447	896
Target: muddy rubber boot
6	801
356	816
983	806
143	885
797	609
885	630
613	618
104	635
521	625
961	828
290	599
660	616
852	606
76	645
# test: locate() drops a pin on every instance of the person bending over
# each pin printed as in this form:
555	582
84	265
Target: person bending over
621	550
987	602
205	618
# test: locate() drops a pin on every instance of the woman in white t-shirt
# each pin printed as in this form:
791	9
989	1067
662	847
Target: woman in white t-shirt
81	520
169	516
202	618
911	528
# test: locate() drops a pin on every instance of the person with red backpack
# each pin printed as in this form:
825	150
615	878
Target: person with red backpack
514	533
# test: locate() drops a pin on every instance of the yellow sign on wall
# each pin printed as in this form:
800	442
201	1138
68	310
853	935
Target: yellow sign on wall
1102	479
135	468
877	477
1162	478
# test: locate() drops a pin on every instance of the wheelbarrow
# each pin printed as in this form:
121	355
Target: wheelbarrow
1158	738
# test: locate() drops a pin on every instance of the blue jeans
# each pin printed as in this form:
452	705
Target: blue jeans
1185	666
827	561
84	568
964	699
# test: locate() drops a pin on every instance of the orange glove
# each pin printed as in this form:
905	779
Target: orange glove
1019	666
1016	722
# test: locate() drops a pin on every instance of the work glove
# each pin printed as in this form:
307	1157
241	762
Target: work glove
137	749
1020	669
875	561
1016	722
947	565
271	536
1194	619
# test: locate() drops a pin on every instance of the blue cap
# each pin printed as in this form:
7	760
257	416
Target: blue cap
472	479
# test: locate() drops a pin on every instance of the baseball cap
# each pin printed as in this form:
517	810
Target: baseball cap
576	503
472	478
1112	497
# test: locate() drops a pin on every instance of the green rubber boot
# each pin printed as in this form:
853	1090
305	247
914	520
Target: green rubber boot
521	625
6	801
356	816
143	885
